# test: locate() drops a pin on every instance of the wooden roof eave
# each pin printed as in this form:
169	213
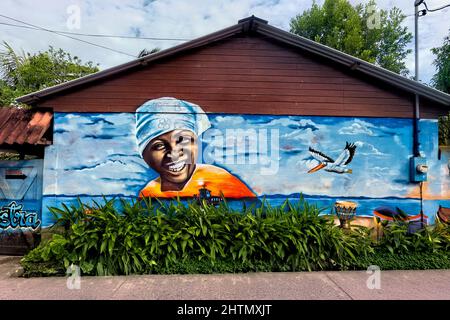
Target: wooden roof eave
258	26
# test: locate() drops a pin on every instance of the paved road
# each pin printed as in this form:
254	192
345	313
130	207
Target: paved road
404	285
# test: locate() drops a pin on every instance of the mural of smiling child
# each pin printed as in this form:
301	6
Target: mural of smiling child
167	131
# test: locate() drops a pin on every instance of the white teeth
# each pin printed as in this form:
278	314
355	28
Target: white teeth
176	166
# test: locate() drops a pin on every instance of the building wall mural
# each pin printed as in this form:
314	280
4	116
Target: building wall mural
167	134
20	204
172	148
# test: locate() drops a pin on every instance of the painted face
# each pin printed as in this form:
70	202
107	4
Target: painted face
173	155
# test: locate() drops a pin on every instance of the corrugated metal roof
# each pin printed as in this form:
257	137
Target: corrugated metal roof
22	126
257	26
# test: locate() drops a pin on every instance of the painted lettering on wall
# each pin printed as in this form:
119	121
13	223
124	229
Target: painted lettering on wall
12	216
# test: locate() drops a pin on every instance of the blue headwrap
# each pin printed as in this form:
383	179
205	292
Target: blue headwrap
162	115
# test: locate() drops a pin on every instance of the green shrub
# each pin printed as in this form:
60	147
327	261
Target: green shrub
145	237
46	259
406	261
142	237
195	266
397	240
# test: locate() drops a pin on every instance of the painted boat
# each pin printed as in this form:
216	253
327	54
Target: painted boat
387	213
443	215
205	195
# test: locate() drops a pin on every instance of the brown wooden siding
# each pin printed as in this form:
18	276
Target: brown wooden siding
431	110
249	75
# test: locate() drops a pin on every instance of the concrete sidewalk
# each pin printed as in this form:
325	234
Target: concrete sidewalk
403	285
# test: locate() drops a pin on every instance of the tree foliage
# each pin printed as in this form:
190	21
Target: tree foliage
444	130
376	36
441	80
25	73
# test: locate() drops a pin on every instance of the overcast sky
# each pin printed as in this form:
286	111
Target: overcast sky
176	19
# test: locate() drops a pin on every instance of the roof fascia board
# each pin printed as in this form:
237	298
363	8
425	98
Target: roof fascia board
213	37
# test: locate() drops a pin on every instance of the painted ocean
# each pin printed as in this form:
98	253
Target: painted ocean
365	207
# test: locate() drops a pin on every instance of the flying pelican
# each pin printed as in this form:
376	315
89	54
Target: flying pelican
338	166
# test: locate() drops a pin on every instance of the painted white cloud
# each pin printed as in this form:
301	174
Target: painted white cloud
306	137
289	121
109	177
368	149
231	120
95	153
357	127
385	188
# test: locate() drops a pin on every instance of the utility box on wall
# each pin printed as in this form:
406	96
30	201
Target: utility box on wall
418	169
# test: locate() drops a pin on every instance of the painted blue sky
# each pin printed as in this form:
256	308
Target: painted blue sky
179	19
97	154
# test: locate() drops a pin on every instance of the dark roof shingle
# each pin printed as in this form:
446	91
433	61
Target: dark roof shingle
22	126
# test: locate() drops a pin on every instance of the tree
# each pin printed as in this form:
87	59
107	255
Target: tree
376	36
25	73
441	80
444	130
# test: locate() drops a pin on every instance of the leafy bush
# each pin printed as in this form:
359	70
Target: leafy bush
406	261
398	240
145	237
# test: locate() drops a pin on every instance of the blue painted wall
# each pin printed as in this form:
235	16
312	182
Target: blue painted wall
20	199
95	154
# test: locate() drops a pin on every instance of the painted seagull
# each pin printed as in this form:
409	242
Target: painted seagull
338	166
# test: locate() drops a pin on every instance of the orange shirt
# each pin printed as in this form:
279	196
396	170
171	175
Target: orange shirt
213	178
